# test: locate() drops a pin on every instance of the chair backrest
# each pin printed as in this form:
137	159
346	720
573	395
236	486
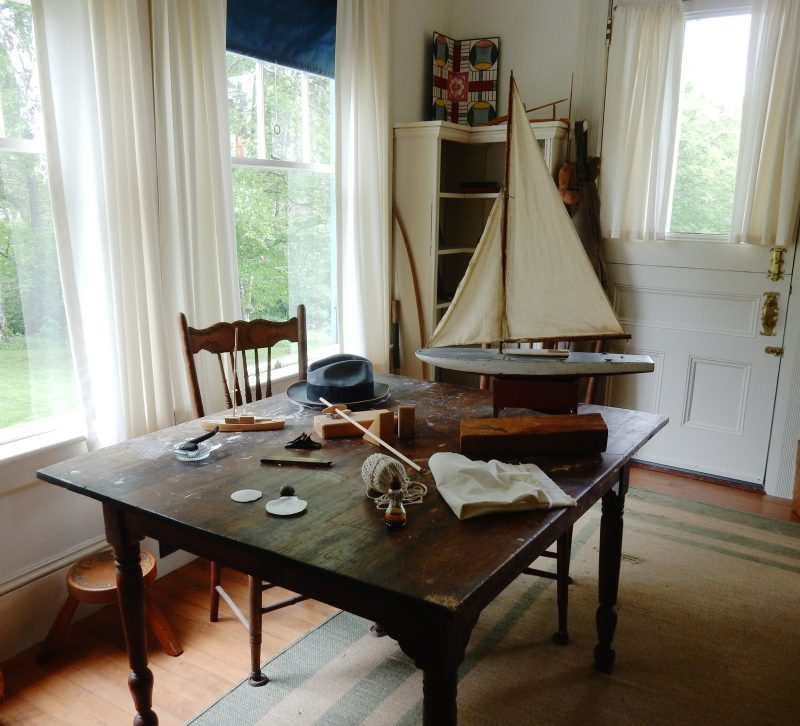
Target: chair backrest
253	335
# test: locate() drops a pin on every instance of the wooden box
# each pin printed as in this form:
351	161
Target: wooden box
523	436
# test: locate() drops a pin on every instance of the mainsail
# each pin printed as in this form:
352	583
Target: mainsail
535	282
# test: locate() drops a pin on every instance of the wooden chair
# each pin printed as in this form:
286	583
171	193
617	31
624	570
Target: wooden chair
252	384
94	580
564	543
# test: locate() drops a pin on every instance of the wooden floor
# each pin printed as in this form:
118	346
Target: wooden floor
86	682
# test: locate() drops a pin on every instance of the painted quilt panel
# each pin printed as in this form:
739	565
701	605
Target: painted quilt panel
465	79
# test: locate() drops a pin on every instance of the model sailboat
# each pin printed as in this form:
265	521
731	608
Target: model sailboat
528	280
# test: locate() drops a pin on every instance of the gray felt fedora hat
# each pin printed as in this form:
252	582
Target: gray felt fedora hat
342	378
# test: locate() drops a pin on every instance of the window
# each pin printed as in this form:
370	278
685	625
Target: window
37	379
709	120
281	143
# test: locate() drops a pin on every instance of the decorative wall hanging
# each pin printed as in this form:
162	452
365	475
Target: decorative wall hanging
465	79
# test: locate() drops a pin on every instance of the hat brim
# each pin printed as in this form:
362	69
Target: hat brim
297	392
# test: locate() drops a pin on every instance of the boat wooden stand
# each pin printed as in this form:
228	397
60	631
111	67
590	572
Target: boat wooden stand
548	394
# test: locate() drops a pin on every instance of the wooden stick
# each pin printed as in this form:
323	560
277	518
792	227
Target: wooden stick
377	438
235	381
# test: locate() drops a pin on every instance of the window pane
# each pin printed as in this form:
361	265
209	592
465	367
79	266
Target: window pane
712	80
242	106
20	113
285	238
37	378
278	113
297	110
281	122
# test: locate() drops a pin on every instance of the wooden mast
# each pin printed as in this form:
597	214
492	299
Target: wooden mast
504	227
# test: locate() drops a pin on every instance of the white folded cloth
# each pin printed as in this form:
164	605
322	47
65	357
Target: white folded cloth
473	488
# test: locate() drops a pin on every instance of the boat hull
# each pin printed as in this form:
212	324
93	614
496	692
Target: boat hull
490	362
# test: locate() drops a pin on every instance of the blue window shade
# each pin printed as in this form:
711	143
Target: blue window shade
296	33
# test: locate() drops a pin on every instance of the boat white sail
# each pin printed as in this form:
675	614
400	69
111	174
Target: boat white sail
529	278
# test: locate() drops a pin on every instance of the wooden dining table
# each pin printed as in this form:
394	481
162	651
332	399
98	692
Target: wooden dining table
425	584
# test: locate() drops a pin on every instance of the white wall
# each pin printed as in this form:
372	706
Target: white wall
544	42
413	23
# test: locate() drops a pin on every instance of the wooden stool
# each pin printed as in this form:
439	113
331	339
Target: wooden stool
94	580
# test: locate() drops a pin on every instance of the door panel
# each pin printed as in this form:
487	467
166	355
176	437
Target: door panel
703	329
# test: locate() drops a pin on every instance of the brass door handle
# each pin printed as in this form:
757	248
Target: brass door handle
769	313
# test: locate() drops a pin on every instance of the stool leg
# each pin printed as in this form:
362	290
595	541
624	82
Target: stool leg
213	594
165	635
57	630
563	549
257	678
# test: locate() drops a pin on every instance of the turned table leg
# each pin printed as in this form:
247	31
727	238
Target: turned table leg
439	690
610	559
130	588
437	648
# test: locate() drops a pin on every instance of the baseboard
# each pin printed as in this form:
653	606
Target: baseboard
47	567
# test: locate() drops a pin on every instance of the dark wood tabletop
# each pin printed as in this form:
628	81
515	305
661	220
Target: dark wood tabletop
425	584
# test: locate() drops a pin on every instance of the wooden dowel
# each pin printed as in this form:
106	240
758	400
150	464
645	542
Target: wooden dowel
377	438
235	377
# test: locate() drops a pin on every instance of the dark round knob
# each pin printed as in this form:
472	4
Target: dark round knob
287	491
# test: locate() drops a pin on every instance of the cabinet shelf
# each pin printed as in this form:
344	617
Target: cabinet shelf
468	195
455	250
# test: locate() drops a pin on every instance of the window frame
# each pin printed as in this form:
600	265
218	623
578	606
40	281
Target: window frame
47	431
287	366
699	10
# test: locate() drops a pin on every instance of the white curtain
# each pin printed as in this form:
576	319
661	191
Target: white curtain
767	197
118	239
642	96
362	178
196	223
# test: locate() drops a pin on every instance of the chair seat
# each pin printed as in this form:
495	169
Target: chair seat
94	579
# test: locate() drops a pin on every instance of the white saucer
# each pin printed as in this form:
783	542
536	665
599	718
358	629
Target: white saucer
286	506
246	495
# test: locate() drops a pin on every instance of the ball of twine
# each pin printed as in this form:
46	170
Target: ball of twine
378	473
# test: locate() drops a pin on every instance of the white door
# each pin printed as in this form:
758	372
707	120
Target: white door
696	308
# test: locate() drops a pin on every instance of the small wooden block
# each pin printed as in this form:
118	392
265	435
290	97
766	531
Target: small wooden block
245	418
382	427
532	435
405	421
328	427
337	407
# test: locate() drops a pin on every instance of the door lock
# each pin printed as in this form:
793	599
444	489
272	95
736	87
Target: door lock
774	350
769	313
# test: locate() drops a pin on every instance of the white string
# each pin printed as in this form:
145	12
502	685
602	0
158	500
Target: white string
378	473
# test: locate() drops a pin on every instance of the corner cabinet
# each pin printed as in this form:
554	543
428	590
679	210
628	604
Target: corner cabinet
446	178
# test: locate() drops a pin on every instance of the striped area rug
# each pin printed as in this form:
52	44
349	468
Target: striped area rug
708	633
